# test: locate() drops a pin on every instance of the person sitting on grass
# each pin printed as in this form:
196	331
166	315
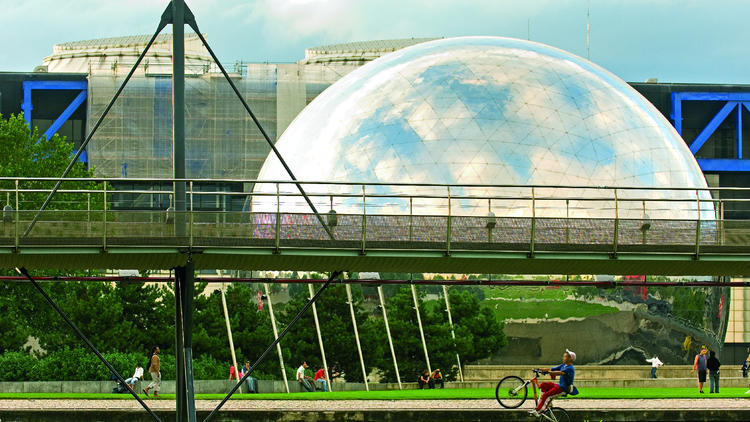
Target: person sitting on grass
550	390
425	379
437	378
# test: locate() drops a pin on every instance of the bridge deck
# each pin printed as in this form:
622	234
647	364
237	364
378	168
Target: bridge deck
397	243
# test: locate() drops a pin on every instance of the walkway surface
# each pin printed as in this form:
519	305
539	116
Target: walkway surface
333	405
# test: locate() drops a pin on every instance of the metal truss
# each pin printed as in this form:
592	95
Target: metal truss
732	101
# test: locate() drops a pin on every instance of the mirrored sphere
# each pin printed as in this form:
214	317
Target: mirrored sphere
488	110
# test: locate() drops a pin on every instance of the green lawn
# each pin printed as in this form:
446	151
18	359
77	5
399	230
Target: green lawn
505	309
437	394
550	302
513	292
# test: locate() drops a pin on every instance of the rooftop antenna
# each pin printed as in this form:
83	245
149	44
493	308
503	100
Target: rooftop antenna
588	30
528	29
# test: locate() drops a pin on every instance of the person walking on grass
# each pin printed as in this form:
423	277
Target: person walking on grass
700	365
154	368
713	365
655	364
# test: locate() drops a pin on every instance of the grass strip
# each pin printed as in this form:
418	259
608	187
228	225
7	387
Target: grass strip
437	394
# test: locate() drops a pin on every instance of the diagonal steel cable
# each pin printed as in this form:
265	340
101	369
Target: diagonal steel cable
274	343
85	339
166	18
190	20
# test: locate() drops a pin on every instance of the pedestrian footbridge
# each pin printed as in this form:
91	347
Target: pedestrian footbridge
253	225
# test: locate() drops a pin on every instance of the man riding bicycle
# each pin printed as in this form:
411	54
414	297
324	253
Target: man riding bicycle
550	390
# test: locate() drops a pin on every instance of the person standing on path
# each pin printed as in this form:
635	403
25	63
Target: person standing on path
700	365
713	365
655	363
154	368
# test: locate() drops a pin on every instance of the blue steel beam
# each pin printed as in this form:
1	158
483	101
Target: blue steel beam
711	96
723	164
29	86
739	131
711	127
72	107
677	112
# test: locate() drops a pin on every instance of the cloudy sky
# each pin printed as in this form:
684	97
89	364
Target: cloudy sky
673	40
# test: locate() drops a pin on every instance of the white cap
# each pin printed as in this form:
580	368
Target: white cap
571	353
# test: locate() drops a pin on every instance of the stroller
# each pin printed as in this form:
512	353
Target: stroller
120	387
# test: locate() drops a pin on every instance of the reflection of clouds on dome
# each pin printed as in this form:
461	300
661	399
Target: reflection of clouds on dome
487	110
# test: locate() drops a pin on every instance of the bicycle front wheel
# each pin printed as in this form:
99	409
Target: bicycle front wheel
555	414
511	392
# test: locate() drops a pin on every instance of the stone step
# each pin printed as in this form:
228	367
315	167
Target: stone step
496	372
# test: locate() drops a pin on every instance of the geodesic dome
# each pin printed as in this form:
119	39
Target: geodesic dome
493	111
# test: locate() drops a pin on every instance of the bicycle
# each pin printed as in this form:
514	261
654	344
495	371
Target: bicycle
512	391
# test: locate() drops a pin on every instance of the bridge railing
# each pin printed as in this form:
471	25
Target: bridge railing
273	214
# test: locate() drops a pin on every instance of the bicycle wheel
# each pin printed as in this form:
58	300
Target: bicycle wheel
511	392
555	414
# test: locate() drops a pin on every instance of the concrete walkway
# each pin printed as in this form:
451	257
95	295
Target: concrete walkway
333	405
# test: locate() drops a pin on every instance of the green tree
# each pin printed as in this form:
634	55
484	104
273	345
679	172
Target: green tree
251	329
334	315
23	312
478	333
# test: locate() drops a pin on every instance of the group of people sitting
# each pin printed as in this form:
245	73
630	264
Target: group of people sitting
431	379
320	382
250	382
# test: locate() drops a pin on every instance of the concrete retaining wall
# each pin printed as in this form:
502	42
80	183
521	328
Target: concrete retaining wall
168	387
592	372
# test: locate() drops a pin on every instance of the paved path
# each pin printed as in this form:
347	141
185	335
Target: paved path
333	405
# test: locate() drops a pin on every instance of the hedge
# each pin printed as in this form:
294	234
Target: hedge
82	365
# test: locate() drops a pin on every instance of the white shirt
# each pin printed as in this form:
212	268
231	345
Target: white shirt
300	373
138	373
655	362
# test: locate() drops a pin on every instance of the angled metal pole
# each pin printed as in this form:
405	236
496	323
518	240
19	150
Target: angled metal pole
265	353
356	335
276	335
190	20
388	332
229	334
83	337
421	331
453	332
166	18
320	340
